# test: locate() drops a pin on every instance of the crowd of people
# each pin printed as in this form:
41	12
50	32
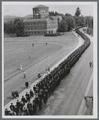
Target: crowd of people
33	100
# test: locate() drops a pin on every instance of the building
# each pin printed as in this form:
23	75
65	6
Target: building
40	12
41	23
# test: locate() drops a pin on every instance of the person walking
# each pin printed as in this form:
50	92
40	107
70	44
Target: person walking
32	44
21	67
24	75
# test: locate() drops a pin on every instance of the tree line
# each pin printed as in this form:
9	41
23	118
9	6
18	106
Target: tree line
14	27
67	23
78	20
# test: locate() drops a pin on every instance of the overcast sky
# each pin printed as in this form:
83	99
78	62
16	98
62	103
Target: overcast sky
25	8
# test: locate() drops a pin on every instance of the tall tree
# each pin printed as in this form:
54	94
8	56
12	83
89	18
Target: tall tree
67	23
78	12
63	27
70	21
79	21
9	27
19	27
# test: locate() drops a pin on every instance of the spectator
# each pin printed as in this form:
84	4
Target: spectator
27	96
31	93
26	84
12	107
23	100
7	112
30	109
25	111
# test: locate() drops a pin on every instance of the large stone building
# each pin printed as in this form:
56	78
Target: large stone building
41	23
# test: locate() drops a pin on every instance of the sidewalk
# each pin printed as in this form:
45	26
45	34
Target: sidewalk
89	92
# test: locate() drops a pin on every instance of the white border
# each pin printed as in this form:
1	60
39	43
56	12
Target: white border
2	61
48	3
95	48
95	115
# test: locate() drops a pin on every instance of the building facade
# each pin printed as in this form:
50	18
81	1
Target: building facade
41	23
40	12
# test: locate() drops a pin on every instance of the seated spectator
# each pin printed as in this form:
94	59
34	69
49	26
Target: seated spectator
7	112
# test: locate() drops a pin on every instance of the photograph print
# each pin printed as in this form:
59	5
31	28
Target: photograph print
49	55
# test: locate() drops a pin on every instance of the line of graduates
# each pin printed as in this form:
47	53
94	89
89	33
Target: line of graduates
33	101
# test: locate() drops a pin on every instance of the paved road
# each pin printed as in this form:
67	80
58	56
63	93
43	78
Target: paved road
67	98
86	107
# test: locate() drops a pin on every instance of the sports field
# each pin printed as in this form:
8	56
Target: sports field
34	59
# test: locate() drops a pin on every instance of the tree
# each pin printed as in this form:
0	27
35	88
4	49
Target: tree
51	13
9	27
67	23
79	21
89	24
78	12
19	27
70	21
89	21
62	26
14	27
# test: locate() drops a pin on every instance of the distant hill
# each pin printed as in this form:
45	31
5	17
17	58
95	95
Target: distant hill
8	18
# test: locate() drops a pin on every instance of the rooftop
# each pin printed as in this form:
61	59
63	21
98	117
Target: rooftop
41	6
43	19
